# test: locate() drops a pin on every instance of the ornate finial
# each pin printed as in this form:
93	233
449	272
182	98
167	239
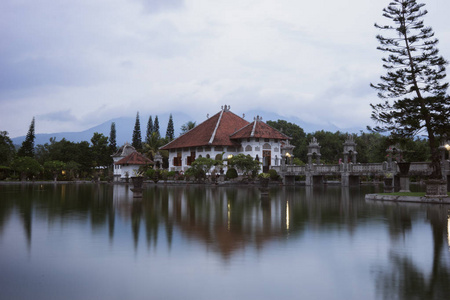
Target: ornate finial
313	141
243	116
207	116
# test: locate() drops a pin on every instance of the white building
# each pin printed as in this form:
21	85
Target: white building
127	162
228	134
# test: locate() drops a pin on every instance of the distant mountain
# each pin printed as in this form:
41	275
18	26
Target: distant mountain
124	130
307	127
125	126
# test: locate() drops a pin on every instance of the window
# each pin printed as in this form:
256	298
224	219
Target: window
177	160
191	159
248	148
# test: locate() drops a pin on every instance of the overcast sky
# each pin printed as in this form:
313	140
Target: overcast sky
75	64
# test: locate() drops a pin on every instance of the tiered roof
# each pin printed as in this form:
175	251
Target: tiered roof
224	129
259	129
215	131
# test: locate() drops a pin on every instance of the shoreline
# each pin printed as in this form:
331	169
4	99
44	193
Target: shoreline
409	199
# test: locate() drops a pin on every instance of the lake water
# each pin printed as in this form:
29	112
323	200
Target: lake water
88	241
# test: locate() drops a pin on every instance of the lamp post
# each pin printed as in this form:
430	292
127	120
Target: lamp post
288	158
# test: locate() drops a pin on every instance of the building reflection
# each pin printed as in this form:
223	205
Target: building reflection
224	220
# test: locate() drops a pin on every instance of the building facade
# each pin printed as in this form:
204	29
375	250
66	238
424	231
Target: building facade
127	162
225	134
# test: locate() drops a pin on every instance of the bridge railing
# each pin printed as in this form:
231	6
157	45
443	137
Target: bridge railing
416	168
290	169
419	168
325	168
368	168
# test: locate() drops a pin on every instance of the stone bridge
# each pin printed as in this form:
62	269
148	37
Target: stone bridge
349	170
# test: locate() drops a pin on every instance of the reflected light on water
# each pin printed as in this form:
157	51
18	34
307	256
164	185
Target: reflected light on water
229	215
287	215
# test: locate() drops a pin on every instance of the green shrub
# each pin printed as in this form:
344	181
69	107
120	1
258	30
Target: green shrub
298	162
150	173
264	175
171	174
231	173
273	175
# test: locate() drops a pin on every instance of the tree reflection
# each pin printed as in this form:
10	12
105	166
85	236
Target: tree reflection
404	279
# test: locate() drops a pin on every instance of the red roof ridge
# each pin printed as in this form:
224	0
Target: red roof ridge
255	131
215	130
211	140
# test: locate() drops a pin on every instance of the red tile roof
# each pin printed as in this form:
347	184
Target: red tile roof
259	129
215	131
134	158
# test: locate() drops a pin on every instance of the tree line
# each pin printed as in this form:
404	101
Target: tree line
67	160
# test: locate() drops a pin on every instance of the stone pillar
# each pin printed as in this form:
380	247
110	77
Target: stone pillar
404	184
436	188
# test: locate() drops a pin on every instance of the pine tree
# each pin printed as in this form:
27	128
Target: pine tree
156	127
27	148
149	129
137	139
7	149
112	138
415	72
170	132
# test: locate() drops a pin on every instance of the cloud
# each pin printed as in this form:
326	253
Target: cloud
61	116
89	61
155	6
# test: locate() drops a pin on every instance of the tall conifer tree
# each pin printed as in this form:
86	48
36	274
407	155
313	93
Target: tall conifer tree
156	127
415	72
137	139
149	129
27	148
170	132
112	138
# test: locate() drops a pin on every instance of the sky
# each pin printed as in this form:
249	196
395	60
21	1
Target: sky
75	64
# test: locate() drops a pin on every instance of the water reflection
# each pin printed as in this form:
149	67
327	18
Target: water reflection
448	228
412	262
405	277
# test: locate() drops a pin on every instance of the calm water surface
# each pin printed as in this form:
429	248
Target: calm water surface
86	241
